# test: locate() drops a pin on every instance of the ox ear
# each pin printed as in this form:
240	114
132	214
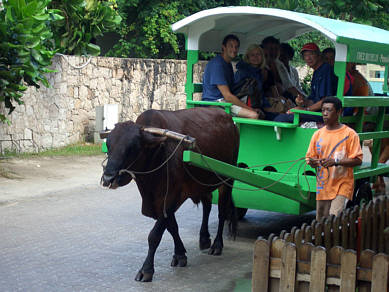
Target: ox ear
151	141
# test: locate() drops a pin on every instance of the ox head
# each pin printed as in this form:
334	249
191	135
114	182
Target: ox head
126	143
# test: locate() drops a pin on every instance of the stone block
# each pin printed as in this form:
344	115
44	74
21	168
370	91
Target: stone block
27	134
47	140
83	93
53	111
119	73
93	83
63	88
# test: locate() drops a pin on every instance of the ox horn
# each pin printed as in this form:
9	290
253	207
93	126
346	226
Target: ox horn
173	135
104	134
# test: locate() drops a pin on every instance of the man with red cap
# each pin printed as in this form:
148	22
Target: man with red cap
323	84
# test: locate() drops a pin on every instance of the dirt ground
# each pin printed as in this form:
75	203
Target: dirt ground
24	178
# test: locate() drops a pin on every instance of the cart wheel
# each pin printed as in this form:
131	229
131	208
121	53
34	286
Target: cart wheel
241	212
362	193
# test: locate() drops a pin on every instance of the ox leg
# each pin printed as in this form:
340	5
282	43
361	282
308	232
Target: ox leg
179	257
226	210
205	238
146	273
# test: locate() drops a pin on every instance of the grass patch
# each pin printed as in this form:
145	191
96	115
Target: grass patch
79	149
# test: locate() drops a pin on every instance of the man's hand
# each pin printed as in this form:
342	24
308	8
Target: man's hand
300	100
297	108
328	162
313	162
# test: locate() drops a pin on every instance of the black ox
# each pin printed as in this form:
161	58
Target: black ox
134	152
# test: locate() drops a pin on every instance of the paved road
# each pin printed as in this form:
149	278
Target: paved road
90	239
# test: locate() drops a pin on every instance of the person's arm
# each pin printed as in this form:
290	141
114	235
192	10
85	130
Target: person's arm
354	153
295	92
316	107
229	97
346	162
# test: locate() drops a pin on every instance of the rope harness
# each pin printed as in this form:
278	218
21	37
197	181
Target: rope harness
183	138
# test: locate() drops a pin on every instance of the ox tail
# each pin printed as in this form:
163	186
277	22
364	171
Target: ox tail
228	207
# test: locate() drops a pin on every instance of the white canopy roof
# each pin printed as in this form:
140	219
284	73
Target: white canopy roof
206	29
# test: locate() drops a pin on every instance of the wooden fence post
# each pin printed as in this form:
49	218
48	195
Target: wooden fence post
353	230
368	225
381	235
375	226
303	268
336	230
317	232
348	271
261	259
308	234
276	250
362	227
366	264
387	212
333	270
288	268
318	269
379	281
327	233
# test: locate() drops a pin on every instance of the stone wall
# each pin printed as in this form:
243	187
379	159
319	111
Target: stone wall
65	113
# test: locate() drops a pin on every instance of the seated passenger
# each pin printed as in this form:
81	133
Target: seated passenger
323	84
282	77
218	79
329	56
264	96
252	67
361	87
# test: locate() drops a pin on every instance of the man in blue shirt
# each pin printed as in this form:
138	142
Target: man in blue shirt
218	79
323	84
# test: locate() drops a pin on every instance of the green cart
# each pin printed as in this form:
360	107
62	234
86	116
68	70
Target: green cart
261	183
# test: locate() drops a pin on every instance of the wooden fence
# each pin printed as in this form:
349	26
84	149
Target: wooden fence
341	253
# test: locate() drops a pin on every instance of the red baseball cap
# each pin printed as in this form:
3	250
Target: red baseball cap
310	47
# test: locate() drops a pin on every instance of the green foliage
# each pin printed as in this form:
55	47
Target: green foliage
372	12
24	53
82	22
145	30
306	83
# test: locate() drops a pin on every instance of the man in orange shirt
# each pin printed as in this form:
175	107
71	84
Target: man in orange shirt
334	151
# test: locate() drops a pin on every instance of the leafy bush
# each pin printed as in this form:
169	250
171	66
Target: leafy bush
32	31
24	54
82	22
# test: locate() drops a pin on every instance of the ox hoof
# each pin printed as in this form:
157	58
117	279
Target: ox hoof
215	250
144	277
205	243
179	260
